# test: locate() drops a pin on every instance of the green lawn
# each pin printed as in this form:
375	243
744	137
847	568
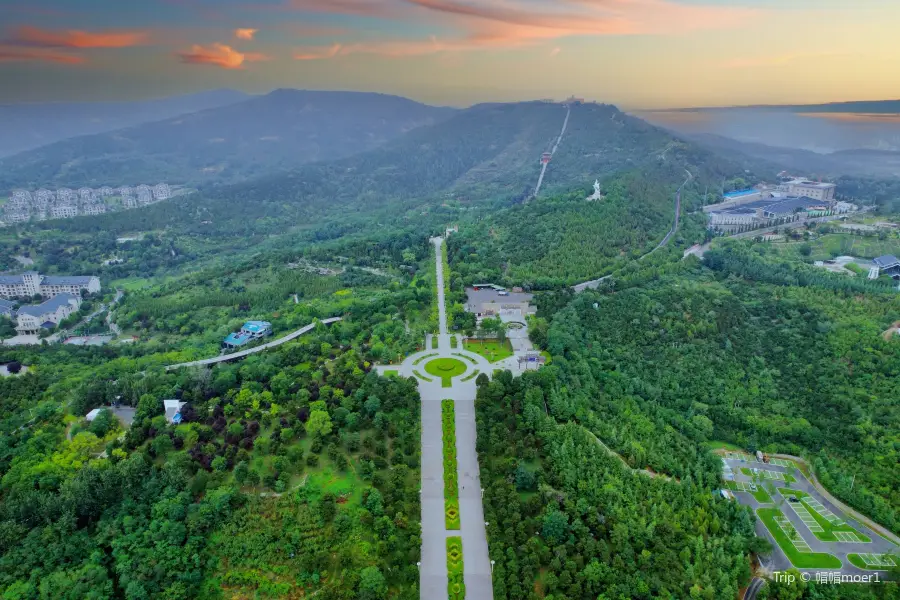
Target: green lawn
828	534
493	350
831	245
801	560
857	561
724	446
391	373
446	369
760	494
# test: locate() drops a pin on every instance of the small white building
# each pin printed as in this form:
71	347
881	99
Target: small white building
47	314
173	410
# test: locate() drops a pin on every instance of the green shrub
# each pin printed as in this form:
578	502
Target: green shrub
456	586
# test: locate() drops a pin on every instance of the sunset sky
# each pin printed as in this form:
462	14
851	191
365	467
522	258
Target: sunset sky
634	53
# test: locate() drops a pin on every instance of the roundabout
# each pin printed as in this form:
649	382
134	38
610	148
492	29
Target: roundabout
446	368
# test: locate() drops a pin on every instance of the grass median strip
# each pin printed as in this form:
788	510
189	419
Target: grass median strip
792	543
456	585
451	482
824	524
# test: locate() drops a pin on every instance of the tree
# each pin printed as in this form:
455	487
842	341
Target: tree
372	585
103	423
319	424
555	527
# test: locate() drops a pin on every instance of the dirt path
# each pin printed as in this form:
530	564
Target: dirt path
627	466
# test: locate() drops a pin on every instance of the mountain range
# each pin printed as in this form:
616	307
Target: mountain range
232	142
28	126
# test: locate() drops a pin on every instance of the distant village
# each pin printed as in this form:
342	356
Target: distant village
64	203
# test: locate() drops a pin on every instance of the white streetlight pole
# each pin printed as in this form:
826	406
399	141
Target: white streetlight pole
482	493
492	567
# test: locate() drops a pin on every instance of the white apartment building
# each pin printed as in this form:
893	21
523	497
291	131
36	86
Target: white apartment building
32	283
94	209
162	191
32	318
43	196
63	211
21	196
106	191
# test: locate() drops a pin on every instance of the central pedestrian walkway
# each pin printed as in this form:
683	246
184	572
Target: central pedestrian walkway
433	567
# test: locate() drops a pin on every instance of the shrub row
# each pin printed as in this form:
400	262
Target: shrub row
451	483
456	586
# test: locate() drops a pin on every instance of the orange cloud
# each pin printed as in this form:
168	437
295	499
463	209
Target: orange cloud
219	55
18	54
73	38
245	34
516	23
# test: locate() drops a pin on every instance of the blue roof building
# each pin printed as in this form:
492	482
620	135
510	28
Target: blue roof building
251	330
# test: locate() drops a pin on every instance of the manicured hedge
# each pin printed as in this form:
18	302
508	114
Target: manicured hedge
451	483
456	585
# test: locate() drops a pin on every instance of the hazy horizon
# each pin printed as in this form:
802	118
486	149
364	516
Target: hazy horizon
637	54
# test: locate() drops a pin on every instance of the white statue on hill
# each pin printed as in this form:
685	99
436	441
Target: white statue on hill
596	195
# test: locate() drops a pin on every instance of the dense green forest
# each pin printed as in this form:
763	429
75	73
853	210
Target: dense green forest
660	369
293	471
568	520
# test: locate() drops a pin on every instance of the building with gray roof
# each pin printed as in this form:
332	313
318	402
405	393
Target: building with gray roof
31	283
32	318
7	309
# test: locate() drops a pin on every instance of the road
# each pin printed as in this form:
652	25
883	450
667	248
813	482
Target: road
674	228
755	585
473	529
595	283
537	188
249	351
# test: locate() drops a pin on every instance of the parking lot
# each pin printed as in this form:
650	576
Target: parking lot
800	516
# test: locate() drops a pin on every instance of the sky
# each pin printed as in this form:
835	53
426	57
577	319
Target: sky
638	54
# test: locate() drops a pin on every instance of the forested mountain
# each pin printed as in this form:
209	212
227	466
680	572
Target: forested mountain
658	369
26	126
264	134
480	155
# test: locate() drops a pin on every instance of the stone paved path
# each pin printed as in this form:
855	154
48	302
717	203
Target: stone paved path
433	567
